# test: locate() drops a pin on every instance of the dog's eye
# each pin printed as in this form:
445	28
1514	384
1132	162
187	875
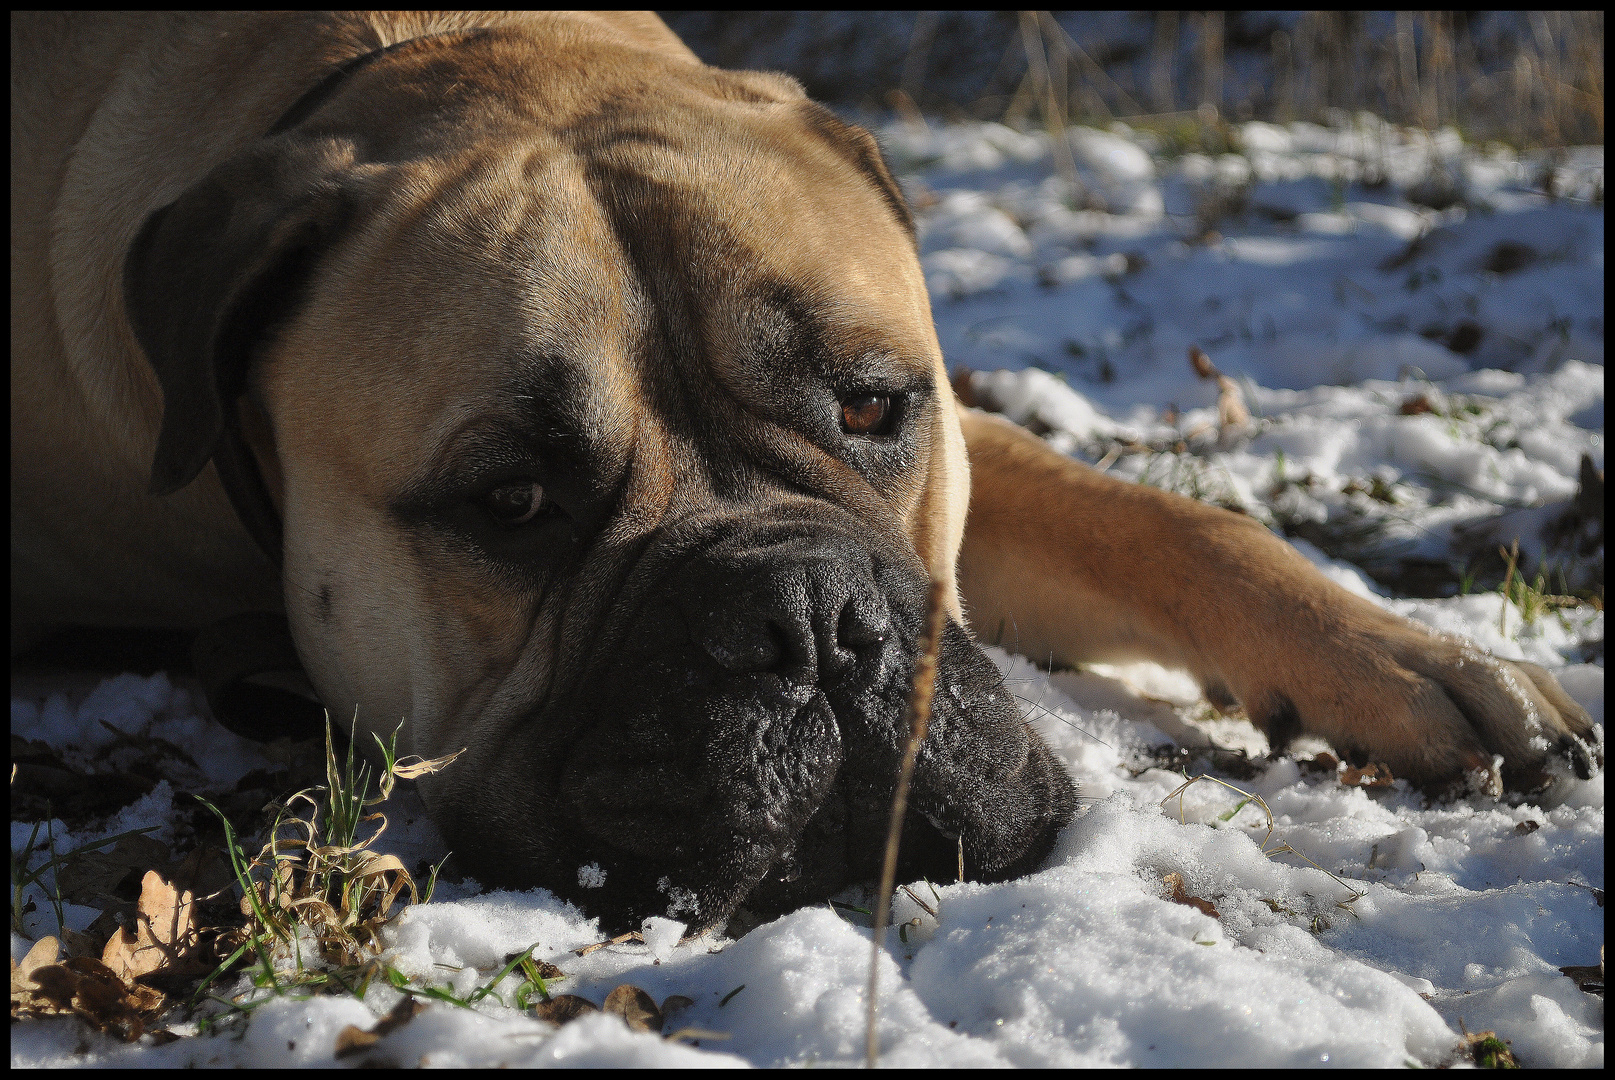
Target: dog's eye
866	414
515	503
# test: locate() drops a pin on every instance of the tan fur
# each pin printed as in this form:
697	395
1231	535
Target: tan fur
1068	564
115	116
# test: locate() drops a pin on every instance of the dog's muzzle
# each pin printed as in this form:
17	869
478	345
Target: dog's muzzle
743	744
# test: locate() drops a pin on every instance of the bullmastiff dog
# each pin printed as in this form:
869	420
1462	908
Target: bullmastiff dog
579	404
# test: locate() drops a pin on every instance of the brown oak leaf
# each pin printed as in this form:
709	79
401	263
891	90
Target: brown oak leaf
1369	776
165	940
81	986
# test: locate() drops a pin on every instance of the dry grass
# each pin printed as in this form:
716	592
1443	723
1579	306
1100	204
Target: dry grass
919	719
1541	87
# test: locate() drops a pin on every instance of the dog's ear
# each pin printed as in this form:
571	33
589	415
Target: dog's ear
211	274
859	147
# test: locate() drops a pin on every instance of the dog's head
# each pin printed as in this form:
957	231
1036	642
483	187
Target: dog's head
613	442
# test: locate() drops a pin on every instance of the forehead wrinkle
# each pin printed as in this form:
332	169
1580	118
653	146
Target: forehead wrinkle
492	259
675	218
824	257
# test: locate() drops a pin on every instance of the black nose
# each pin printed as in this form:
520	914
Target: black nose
804	606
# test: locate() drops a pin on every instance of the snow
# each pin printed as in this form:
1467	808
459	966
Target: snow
1367	925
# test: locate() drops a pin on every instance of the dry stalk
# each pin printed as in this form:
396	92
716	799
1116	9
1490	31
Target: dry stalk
912	84
919	719
1095	73
632	935
1284	847
1162	52
1042	91
1513	556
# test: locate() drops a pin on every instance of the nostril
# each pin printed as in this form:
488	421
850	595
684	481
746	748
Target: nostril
860	628
763	646
787	652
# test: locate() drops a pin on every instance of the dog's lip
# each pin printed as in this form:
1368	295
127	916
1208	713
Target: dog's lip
768	696
787	865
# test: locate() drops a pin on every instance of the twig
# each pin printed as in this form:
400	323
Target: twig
632	935
919	719
927	908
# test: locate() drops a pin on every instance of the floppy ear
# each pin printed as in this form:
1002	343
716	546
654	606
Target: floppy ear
858	146
212	273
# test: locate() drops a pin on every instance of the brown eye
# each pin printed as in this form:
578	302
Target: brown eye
515	503
866	414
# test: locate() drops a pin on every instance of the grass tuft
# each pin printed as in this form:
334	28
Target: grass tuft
315	903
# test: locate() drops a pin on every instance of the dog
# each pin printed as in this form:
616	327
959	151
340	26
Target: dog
579	405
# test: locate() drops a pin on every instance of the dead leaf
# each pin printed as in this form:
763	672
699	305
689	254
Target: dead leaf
96	878
545	969
350	1040
43	952
56	983
424	767
1201	363
204	873
84	987
564	1008
1525	828
165	940
636	1007
1590	978
1418	403
1174	881
29	998
1488	1051
82	944
1324	762
402	1013
379	866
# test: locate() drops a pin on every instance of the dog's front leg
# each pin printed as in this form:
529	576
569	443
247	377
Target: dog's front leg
1063	563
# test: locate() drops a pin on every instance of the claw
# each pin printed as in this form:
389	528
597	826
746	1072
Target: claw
1483	773
1584	757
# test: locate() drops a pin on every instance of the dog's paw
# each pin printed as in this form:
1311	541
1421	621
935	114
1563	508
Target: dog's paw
1437	709
1511	708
